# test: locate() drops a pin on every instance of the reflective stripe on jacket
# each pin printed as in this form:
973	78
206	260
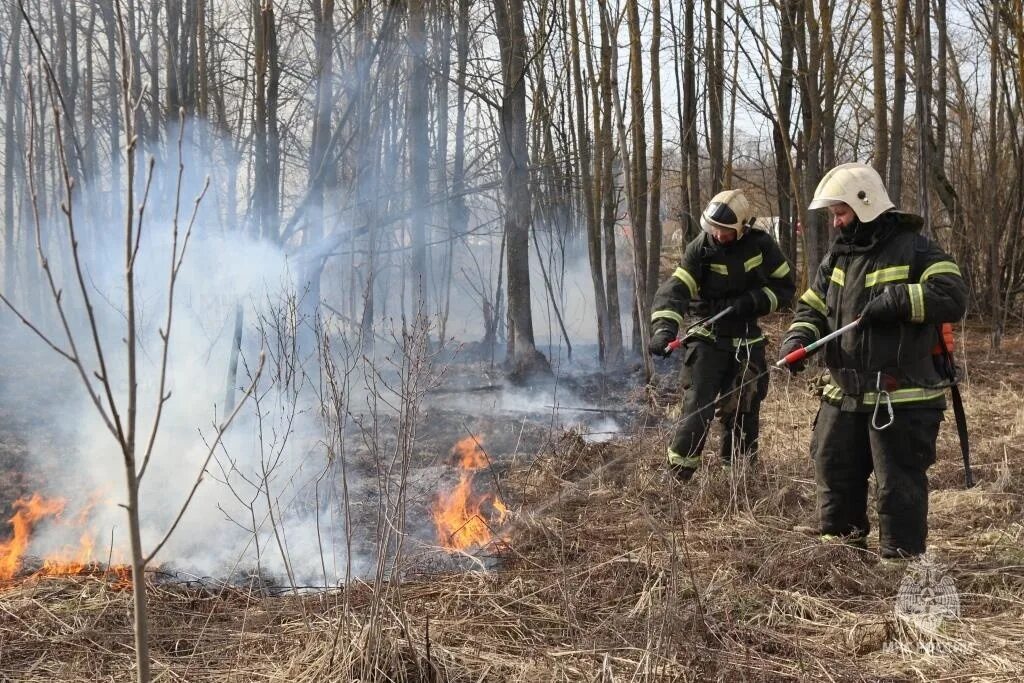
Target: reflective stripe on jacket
928	290
709	272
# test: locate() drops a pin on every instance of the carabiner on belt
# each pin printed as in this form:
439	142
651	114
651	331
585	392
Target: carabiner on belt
745	346
882	395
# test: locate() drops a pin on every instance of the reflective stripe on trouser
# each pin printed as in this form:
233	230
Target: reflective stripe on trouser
710	370
846	450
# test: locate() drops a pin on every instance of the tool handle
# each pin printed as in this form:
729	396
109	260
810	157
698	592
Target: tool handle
799	354
794	356
677	342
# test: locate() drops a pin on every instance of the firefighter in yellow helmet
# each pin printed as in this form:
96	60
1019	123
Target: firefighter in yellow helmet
882	408
730	264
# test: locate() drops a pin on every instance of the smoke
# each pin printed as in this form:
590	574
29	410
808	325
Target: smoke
275	493
269	496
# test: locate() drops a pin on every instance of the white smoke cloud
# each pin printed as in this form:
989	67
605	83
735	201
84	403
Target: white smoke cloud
269	460
272	495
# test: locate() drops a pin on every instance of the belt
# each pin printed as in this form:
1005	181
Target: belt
854	382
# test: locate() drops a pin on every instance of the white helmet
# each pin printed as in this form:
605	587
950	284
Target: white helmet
857	185
728	209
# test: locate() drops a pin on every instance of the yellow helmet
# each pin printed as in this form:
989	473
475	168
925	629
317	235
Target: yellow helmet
728	209
857	185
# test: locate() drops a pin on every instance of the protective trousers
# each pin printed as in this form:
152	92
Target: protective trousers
719	380
846	449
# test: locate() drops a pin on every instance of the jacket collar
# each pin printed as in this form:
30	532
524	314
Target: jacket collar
863	237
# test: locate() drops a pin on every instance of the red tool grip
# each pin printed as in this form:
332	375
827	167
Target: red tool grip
673	345
795	356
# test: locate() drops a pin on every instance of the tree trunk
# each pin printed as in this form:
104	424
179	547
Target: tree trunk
923	73
609	193
828	89
202	66
526	360
638	175
781	136
113	129
127	433
90	147
714	27
153	69
899	98
880	160
586	179
941	116
691	150
419	150
731	139
993	168
321	168
267	162
654	253
458	214
12	153
815	230
67	76
442	35
171	66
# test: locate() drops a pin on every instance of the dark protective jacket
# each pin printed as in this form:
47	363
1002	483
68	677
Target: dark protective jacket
926	290
710	272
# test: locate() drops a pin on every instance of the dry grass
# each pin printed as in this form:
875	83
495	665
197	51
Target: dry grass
612	573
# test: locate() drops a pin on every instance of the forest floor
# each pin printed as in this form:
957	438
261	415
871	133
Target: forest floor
608	571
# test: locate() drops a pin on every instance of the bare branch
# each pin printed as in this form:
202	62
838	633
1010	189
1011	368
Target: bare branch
206	461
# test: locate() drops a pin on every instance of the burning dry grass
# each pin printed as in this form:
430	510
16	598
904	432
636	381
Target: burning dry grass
612	572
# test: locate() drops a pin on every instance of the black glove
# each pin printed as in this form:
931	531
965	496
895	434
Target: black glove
744	306
884	308
660	337
789	346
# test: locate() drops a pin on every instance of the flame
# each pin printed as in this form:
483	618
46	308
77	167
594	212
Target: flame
27	512
80	559
72	559
464	520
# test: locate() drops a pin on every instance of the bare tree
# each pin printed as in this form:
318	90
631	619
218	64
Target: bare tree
880	158
995	274
609	195
12	152
637	178
923	107
524	359
419	147
809	59
899	98
689	121
267	166
654	210
714	56
590	207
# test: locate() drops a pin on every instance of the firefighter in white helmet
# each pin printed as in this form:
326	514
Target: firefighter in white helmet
885	395
730	264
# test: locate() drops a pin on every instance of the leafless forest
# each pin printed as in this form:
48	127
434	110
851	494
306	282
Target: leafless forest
323	327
